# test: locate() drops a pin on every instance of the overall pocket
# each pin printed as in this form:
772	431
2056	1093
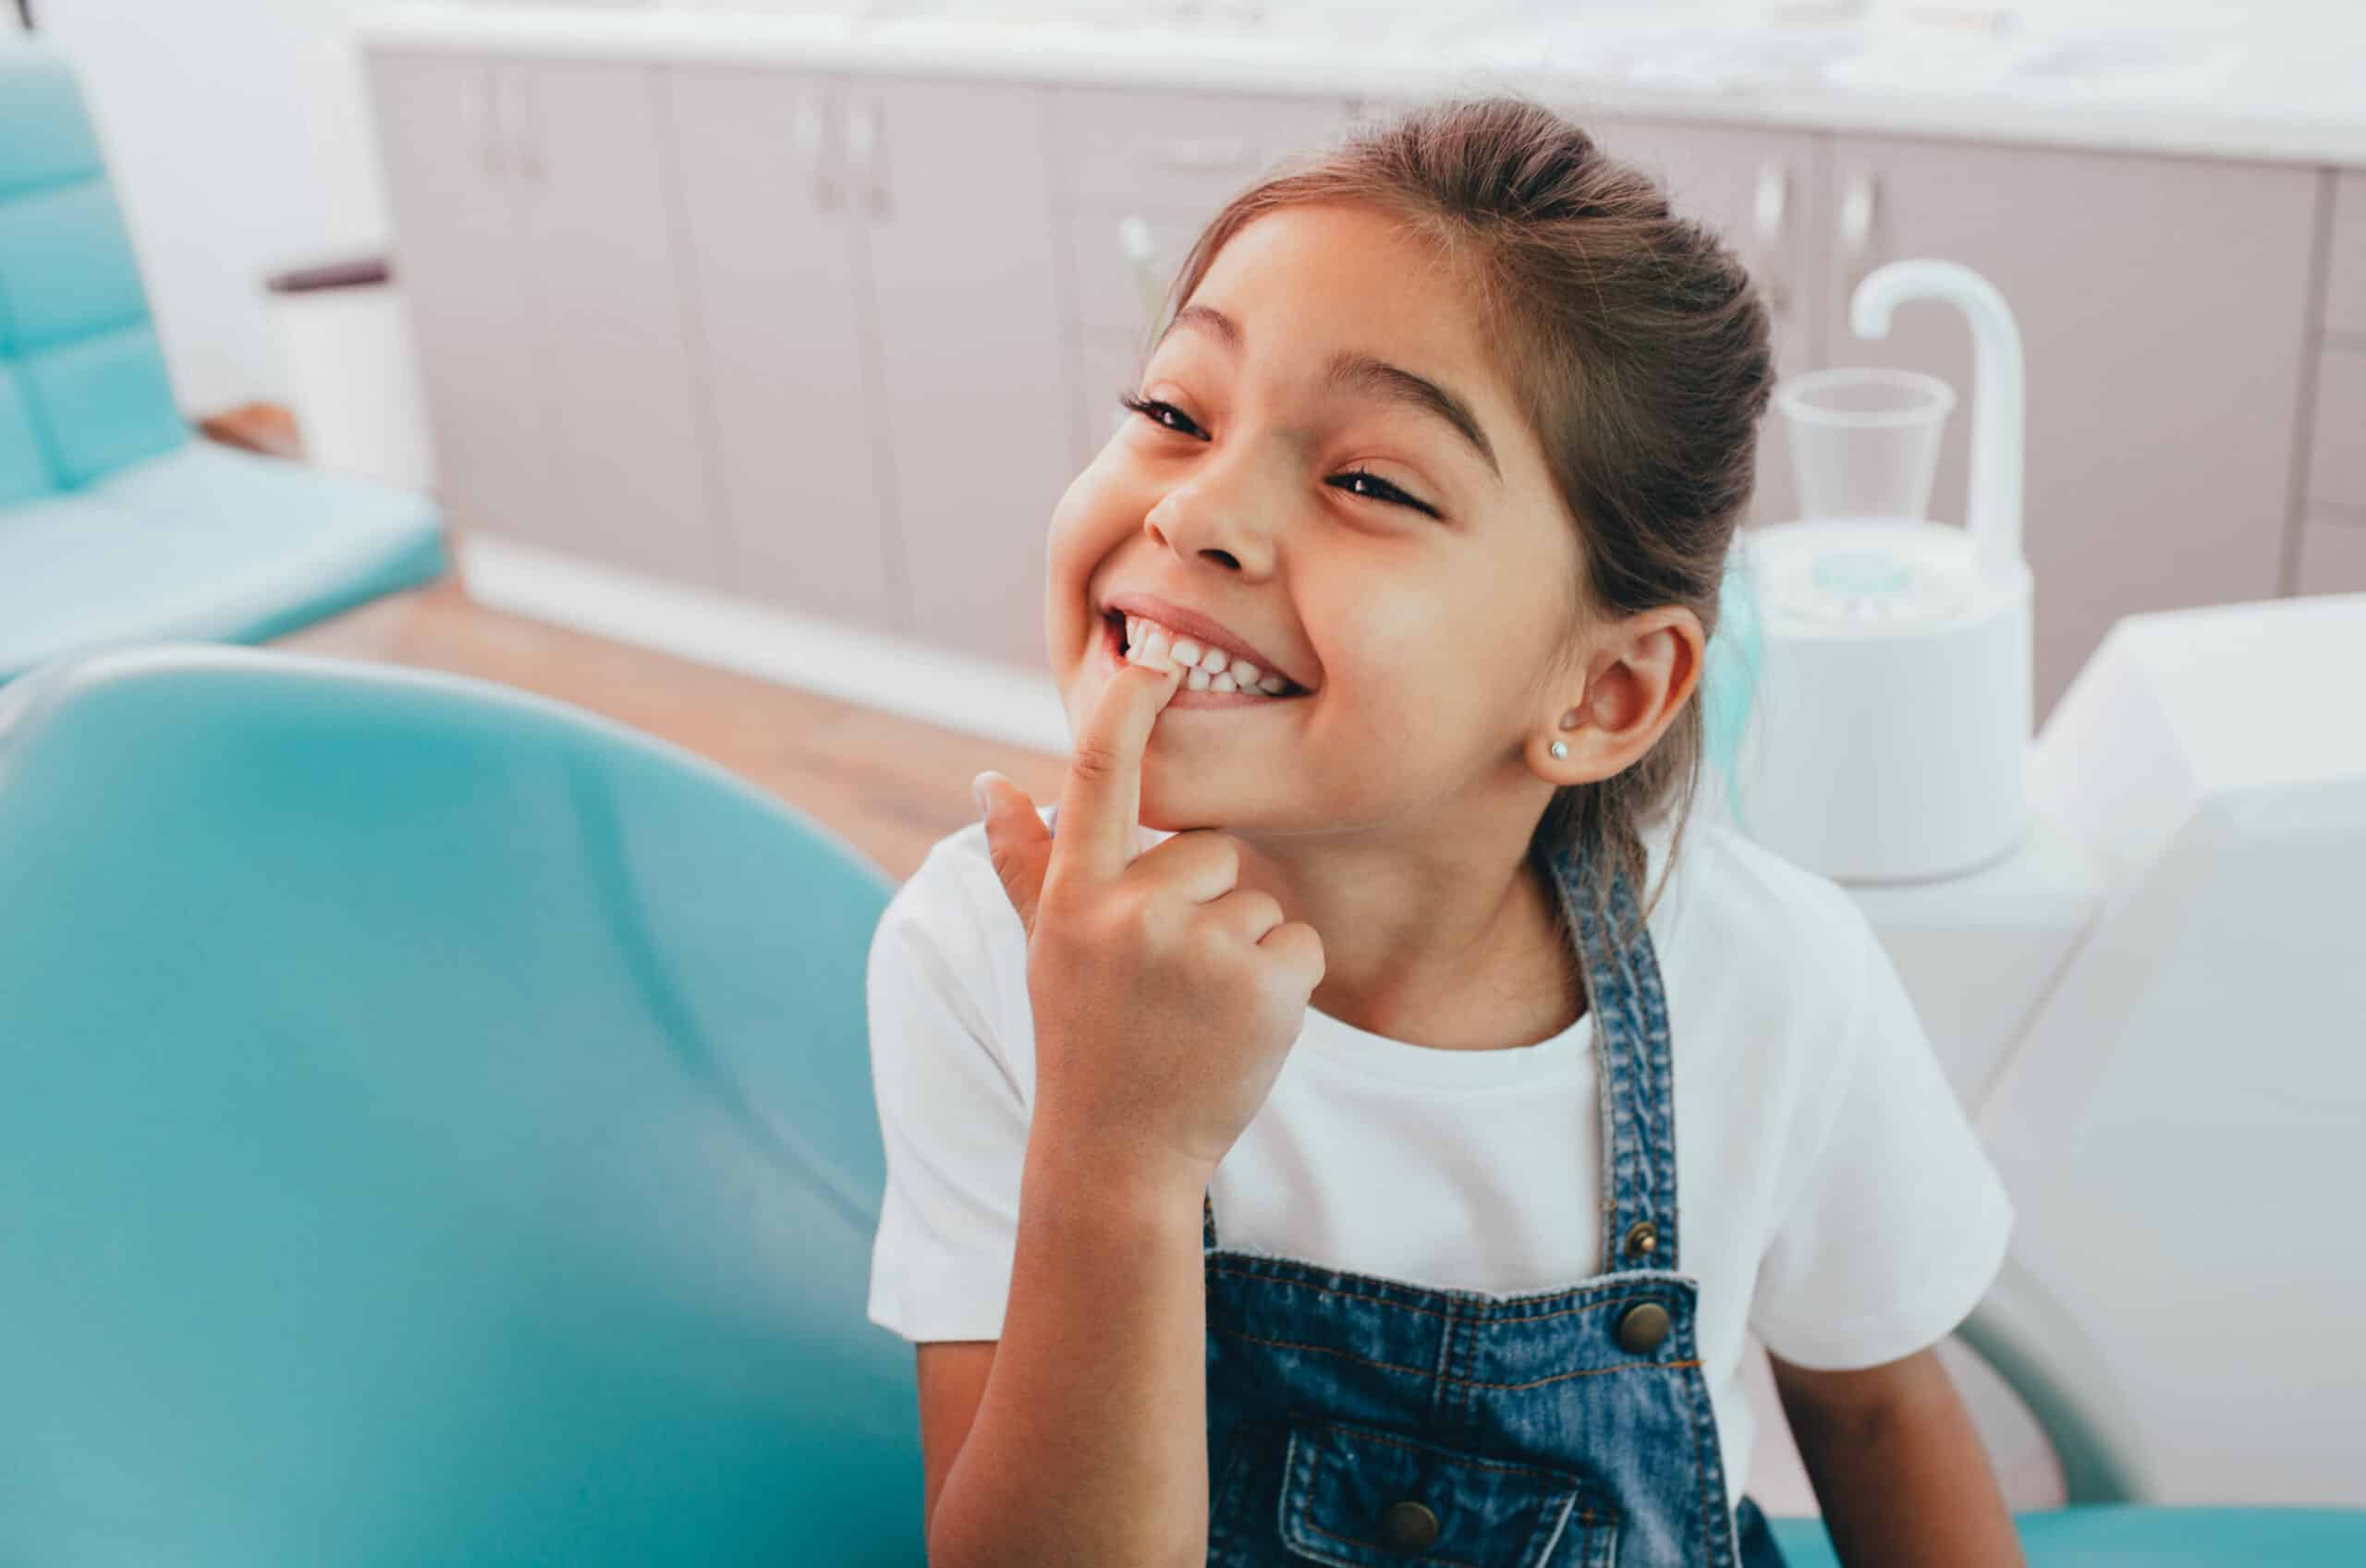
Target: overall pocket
1364	1497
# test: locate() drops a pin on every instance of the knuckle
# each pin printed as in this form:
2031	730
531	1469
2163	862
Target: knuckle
1094	761
1137	917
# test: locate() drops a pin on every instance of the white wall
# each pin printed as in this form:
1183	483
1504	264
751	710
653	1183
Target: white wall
238	139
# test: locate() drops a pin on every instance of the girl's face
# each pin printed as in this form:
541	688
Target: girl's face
1293	482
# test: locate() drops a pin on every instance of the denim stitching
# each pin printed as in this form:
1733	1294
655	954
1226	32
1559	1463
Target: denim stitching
1506	1466
1430	1373
1433	1312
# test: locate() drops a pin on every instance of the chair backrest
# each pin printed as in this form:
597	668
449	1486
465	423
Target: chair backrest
435	1127
82	384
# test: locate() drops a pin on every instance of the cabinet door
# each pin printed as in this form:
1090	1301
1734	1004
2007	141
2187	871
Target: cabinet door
953	183
2162	306
773	252
450	153
630	477
1762	192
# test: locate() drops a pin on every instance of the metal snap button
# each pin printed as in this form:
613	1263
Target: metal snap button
1641	1327
1642	1238
1408	1526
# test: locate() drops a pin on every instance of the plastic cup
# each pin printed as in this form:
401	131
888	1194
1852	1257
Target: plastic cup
1865	442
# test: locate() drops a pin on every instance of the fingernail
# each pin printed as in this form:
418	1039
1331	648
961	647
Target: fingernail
985	800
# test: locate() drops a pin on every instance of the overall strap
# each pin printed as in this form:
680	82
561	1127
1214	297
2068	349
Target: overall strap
1633	1070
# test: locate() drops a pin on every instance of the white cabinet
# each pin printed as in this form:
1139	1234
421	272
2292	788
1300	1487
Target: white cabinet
776	264
2331	553
446	137
879	315
533	212
952	180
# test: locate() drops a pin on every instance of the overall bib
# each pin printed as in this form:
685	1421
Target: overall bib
1370	1423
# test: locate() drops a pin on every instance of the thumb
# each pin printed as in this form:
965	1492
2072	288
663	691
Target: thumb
1015	836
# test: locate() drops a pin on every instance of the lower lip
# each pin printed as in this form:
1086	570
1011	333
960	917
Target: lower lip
1113	651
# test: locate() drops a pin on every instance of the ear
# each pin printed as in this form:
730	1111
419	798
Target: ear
1638	677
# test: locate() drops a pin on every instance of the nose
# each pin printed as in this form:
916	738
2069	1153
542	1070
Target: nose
1217	515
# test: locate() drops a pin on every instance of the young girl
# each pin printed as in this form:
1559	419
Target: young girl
1316	1148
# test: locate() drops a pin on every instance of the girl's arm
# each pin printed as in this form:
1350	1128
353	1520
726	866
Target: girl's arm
1090	1443
1897	1466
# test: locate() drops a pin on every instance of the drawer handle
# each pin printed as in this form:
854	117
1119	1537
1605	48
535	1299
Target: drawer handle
1134	242
810	153
1860	208
866	142
1206	156
496	162
1766	232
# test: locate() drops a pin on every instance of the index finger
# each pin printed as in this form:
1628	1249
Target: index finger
1102	798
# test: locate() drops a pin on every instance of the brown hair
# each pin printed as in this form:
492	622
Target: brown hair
1637	342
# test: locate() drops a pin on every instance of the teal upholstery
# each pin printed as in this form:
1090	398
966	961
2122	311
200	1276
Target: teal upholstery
87	386
202	542
2133	1536
115	525
435	1128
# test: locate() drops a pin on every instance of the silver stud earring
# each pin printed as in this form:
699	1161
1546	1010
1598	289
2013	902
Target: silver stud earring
1559	748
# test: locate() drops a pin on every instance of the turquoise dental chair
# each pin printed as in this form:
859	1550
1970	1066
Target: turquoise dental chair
435	1128
116	527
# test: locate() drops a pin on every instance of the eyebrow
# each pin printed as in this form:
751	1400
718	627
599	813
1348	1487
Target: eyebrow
1351	372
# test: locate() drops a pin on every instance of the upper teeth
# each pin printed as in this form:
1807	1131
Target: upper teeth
1211	669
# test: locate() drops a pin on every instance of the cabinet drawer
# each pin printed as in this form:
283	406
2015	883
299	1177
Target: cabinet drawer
2346	269
1182	150
2337	449
2332	554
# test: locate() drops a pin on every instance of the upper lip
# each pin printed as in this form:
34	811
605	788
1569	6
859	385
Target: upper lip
1198	628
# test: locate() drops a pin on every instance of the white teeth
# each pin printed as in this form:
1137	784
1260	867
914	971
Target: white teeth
1210	669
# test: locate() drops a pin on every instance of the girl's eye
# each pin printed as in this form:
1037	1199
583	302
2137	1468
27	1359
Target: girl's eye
1386	491
1153	409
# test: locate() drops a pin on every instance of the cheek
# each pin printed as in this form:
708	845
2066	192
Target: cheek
1087	524
1089	520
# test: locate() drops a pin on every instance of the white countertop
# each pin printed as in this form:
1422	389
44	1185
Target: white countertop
2286	82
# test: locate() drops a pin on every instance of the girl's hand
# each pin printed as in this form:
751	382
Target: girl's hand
1164	999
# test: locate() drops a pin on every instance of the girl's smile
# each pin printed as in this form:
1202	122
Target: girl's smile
1113	658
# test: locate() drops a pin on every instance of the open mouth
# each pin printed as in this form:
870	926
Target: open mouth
1203	684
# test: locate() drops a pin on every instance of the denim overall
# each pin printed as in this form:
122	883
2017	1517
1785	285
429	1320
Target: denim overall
1370	1423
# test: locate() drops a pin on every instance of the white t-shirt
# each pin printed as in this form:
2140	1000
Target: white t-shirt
1833	1199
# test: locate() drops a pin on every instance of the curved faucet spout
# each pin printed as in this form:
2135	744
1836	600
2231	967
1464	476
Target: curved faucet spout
1999	415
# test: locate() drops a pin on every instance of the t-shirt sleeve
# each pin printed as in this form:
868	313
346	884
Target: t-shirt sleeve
1898	1224
951	1117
